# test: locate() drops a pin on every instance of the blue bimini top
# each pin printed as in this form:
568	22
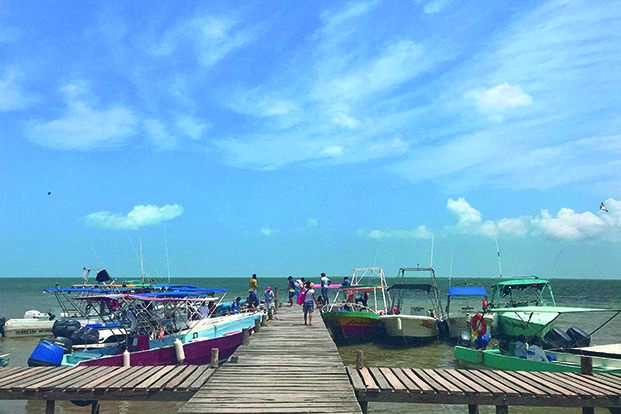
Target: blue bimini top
467	291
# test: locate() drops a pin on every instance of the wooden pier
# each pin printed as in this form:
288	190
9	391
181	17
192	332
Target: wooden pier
286	368
487	387
165	383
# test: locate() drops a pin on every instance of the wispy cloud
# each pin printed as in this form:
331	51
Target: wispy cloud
83	127
139	217
421	232
496	100
267	231
12	95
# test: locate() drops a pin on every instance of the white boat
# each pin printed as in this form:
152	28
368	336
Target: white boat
463	303
413	317
34	323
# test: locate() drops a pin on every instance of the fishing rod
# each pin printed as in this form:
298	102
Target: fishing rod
498	251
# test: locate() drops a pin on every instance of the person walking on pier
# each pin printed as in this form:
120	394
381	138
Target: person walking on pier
325	282
269	299
291	290
253	283
309	304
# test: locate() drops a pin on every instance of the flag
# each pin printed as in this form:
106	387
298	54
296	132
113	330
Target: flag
603	207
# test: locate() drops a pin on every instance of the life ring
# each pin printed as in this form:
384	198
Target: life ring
479	325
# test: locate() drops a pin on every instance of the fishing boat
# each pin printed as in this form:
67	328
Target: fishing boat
352	317
606	358
463	304
415	309
159	329
518	293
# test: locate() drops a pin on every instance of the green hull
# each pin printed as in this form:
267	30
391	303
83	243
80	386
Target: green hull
492	358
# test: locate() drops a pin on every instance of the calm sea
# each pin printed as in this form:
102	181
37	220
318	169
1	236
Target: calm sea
17	295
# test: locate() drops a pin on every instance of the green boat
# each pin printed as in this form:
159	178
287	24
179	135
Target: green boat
518	293
605	358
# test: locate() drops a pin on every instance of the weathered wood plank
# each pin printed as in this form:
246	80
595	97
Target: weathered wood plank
394	382
368	380
406	381
476	388
422	385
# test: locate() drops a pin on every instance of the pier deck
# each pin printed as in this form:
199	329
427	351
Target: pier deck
286	368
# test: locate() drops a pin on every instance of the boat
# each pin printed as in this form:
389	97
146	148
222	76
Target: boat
605	358
352	317
160	328
415	310
518	293
463	303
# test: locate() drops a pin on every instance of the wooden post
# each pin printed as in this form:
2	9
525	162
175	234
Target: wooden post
215	357
473	409
49	406
275	300
270	313
263	320
364	406
257	325
586	365
359	359
502	409
95	407
480	356
245	336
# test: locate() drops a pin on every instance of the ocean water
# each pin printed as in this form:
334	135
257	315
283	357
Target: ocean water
18	295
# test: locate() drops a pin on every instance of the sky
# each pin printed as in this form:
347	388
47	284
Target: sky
222	139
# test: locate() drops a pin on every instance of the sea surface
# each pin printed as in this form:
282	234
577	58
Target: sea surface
18	295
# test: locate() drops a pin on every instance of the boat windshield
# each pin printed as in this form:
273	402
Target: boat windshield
522	292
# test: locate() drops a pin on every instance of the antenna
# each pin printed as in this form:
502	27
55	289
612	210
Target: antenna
431	261
102	266
167	262
554	265
451	268
498	251
141	263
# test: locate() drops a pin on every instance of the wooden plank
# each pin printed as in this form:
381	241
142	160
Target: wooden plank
50	383
369	382
452	388
22	374
534	391
553	381
355	379
431	381
599	381
422	385
8	371
394	382
406	381
91	376
198	382
477	389
159	384
103	382
145	372
50	375
470	374
536	382
580	384
502	387
155	376
181	376
190	380
28	379
380	380
461	385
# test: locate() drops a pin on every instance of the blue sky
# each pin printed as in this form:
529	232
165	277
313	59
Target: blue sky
293	138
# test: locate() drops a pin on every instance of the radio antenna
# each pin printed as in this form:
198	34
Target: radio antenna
498	251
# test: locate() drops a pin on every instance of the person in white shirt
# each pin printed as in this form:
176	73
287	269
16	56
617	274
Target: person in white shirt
309	304
520	347
325	282
535	353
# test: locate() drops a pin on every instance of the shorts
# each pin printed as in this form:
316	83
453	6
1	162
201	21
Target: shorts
291	294
308	306
324	292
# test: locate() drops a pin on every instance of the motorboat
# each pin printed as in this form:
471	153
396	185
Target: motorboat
463	304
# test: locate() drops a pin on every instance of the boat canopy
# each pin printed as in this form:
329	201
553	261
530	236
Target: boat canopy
467	291
549	309
523	283
413	286
363	288
145	297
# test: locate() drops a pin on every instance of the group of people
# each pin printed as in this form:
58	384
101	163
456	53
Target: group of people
253	299
534	352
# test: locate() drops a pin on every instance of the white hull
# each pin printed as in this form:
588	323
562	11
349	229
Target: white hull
415	328
19	328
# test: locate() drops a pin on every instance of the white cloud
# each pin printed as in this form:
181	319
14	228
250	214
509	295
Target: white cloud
266	231
12	96
139	217
569	225
161	138
565	225
421	232
312	222
333	151
435	6
499	98
85	128
212	37
192	127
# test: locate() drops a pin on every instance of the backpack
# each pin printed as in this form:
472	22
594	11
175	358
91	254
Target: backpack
302	297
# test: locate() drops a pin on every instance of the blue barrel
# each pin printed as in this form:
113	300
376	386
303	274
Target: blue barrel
46	354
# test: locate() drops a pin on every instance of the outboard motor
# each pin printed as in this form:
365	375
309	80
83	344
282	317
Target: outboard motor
89	335
464	339
443	329
579	338
556	338
46	354
64	343
60	328
71	327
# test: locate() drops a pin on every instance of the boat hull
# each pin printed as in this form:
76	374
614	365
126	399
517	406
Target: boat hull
493	359
196	353
351	327
20	328
409	329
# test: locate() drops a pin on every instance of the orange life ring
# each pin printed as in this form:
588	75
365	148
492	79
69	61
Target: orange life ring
479	325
